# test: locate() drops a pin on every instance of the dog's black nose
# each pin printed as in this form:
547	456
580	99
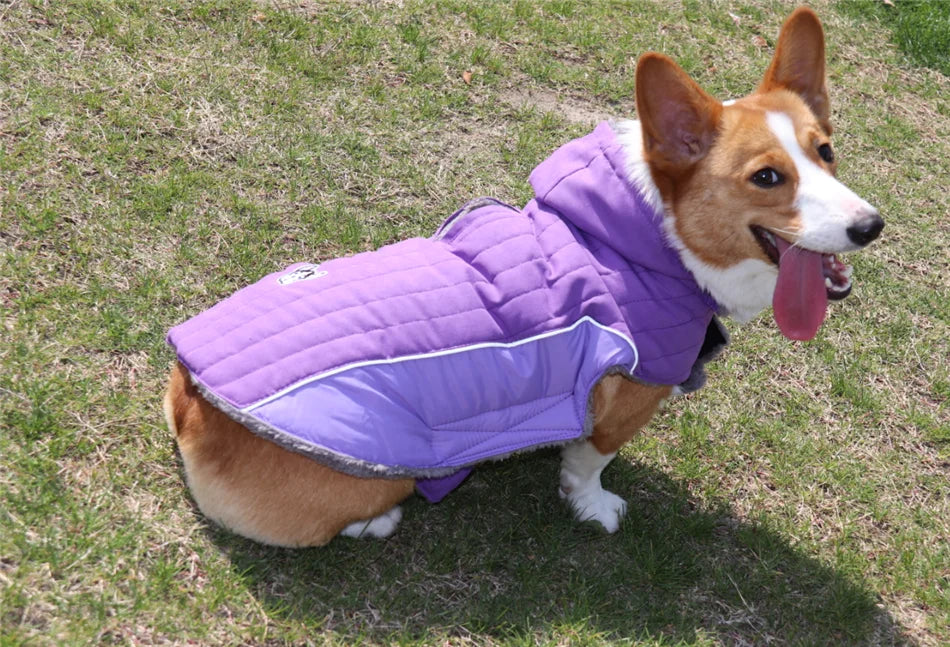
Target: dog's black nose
865	230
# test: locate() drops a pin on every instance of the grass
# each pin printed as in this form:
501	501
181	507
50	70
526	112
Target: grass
921	28
156	157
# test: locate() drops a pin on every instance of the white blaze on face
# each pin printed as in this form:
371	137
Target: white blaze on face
827	207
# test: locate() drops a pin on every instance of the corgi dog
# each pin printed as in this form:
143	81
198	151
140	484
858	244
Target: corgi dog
304	406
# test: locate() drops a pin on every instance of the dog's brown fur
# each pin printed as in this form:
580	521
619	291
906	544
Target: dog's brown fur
272	495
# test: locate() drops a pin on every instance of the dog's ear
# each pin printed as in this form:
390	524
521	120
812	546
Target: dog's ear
678	117
799	63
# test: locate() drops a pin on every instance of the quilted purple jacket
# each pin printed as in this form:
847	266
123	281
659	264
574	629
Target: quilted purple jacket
430	355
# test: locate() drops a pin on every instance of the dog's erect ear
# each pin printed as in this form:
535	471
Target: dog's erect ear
799	63
678	118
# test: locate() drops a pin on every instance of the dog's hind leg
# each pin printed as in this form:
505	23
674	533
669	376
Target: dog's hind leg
265	492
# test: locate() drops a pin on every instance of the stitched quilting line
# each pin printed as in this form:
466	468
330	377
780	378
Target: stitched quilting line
470	207
473	262
366	304
572	173
534	235
482	307
486	222
340	286
222	313
544	256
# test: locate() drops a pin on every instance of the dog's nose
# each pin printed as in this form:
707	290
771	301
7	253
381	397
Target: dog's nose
865	230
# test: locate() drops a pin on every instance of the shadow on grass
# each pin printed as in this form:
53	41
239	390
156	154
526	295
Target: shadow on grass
500	558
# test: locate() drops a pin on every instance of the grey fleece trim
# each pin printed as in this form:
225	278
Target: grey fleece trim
716	340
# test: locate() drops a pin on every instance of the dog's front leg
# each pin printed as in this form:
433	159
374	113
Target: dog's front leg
581	465
621	408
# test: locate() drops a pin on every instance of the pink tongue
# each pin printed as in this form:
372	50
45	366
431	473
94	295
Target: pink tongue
800	296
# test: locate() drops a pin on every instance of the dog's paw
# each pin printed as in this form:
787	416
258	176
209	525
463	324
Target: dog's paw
381	526
598	505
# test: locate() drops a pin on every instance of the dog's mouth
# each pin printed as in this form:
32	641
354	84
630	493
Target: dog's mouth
806	280
837	275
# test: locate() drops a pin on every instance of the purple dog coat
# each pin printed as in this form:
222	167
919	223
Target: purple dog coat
428	356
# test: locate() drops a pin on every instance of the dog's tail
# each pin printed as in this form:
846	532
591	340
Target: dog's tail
179	394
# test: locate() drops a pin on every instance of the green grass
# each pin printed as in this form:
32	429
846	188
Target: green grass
154	157
921	28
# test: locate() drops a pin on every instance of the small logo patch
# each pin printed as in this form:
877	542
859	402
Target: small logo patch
305	272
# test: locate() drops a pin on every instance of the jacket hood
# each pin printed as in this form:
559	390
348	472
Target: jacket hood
587	184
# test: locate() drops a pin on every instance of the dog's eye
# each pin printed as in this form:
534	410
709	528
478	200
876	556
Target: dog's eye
767	178
825	153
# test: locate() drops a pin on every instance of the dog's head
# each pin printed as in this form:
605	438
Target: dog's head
749	187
